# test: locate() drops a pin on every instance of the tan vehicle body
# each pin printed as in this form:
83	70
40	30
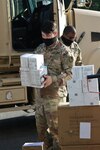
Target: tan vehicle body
87	21
12	95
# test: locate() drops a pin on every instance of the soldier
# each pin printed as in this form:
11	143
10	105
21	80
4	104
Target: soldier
59	63
68	38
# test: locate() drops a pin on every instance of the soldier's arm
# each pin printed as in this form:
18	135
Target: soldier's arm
79	57
39	49
67	61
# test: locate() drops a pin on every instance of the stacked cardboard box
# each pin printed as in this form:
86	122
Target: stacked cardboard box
81	90
80	128
33	146
32	70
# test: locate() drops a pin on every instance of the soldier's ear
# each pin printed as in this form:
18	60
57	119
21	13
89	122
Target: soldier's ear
55	33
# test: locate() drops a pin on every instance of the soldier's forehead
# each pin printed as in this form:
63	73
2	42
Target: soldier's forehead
48	35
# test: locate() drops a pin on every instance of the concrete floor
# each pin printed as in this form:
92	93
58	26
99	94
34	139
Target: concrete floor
16	128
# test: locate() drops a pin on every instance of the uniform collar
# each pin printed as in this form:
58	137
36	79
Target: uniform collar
52	46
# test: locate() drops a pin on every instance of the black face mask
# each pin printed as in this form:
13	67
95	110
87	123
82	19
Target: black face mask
49	42
67	42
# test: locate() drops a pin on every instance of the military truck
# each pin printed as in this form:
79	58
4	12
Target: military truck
20	23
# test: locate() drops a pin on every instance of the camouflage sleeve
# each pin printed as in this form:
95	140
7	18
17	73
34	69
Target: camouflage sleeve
79	57
39	49
67	62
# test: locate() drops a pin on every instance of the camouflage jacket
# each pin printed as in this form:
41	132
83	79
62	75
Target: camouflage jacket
59	63
76	52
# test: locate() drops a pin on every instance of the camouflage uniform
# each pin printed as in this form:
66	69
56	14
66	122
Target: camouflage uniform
59	63
76	52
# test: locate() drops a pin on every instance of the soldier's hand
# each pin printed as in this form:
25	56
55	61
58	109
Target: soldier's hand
47	81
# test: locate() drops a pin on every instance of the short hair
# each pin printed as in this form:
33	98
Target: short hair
69	29
49	26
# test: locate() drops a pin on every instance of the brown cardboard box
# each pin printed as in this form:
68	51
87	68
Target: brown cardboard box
79	125
33	146
81	147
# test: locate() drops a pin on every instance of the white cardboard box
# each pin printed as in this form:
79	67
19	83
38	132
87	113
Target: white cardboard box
37	76
33	146
24	60
90	85
83	99
81	94
83	91
36	61
74	86
91	98
33	78
85	85
25	77
76	99
80	72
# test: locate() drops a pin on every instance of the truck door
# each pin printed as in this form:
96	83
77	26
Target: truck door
20	16
27	17
89	22
59	15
